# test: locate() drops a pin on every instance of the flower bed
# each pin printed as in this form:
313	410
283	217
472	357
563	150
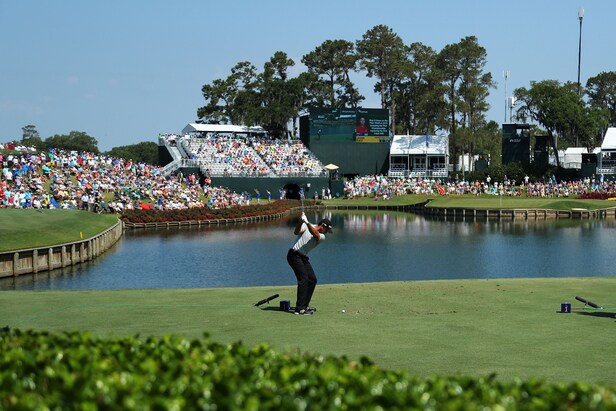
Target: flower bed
205	213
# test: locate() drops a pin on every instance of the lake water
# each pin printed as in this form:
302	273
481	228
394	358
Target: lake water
365	247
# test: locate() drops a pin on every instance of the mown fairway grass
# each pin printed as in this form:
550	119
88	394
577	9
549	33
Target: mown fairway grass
31	228
511	327
483	202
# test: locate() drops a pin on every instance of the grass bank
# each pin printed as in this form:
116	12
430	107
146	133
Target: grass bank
510	327
480	202
31	228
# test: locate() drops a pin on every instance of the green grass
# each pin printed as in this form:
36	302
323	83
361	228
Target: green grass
31	228
483	201
366	201
511	327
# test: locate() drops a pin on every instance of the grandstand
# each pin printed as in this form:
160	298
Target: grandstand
243	160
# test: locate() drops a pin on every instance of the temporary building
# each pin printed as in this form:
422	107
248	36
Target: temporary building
196	128
607	156
419	156
573	157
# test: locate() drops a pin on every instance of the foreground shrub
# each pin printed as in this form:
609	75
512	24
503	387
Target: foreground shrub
39	370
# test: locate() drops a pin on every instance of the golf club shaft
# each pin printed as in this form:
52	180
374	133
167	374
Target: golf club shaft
266	300
587	302
581	299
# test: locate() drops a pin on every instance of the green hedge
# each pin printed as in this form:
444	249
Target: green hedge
72	370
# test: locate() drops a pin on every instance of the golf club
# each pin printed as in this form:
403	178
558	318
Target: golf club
266	300
587	302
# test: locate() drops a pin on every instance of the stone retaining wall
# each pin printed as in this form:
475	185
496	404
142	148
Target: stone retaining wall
33	260
478	213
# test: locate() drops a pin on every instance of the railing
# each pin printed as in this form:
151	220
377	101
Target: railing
572	165
418	172
171	167
606	170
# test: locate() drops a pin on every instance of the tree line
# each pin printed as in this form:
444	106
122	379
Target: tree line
80	141
424	89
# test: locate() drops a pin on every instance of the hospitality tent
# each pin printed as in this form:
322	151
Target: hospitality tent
419	156
573	157
607	156
204	129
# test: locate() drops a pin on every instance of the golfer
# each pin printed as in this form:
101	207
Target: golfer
308	237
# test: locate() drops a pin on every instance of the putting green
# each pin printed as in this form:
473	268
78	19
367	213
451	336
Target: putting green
511	327
32	228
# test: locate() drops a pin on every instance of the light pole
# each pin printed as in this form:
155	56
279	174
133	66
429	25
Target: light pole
580	17
506	74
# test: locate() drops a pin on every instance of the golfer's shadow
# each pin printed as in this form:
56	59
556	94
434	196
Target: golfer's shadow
278	310
600	314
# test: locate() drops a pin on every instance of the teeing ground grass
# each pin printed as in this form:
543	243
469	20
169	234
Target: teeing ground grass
511	327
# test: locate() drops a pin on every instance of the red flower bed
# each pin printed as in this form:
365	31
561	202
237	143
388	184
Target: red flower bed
597	195
204	213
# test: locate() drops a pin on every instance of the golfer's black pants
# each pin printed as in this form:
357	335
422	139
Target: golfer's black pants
306	279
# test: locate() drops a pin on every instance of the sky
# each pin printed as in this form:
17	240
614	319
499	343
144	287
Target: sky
124	71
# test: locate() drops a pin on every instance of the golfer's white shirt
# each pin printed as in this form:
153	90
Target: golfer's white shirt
305	240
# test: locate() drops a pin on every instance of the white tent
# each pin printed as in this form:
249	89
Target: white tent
573	157
220	128
607	156
430	145
609	140
419	156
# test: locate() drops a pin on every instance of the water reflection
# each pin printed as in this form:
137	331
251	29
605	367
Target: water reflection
366	246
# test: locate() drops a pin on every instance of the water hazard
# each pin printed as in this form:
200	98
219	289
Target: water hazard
365	247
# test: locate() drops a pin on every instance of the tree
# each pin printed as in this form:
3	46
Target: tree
300	97
474	84
31	136
244	104
601	90
383	55
449	63
556	107
75	140
421	106
220	96
334	60
144	152
561	111
278	96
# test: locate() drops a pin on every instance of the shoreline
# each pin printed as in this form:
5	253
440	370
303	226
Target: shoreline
14	263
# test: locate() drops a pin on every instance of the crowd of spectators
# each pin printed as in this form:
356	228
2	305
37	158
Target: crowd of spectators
223	155
383	187
227	156
287	158
68	179
87	181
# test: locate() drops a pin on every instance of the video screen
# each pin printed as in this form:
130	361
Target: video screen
362	125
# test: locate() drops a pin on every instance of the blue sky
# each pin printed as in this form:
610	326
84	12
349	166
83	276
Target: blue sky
123	71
